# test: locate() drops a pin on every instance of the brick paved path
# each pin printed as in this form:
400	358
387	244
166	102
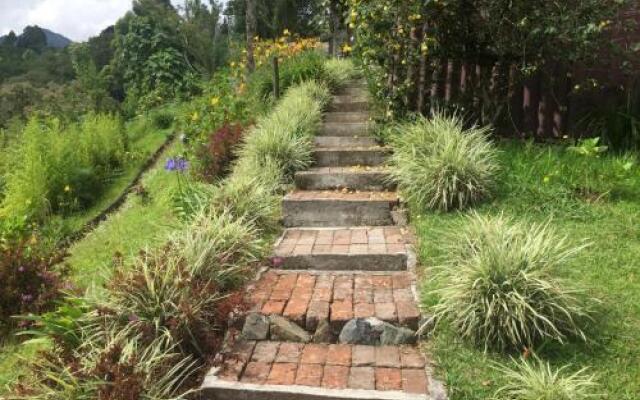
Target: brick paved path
341	260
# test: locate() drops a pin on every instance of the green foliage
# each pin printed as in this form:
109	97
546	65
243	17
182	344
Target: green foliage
499	285
537	380
339	71
440	165
61	169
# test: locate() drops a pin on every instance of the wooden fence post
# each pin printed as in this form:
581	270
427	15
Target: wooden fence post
276	78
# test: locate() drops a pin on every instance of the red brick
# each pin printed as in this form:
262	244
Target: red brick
343	288
302	249
388	379
306	281
286	282
325	237
325	282
321	249
386	312
321	294
403	295
401	281
410	357
363	356
339	354
341	311
297	309
289	353
387	356
362	378
342	237
309	374
307	237
363	282
243	349
363	296
335	377
282	374
380	248
364	310
317	311
314	354
358	249
359	236
256	372
265	352
408	314
383	296
376	236
414	381
231	369
396	248
340	249
273	307
382	282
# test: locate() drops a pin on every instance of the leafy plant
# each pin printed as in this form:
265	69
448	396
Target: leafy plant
339	71
499	285
588	147
537	380
438	164
216	155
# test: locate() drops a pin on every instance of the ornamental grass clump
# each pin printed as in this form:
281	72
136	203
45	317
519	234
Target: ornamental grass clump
339	71
499	286
440	165
537	380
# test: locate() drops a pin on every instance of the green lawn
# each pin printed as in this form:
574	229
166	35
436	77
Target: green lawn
538	183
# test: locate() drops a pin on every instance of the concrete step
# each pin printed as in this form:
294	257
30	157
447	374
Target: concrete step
359	91
348	103
331	208
345	129
357	178
270	370
345	141
350	156
347	116
344	249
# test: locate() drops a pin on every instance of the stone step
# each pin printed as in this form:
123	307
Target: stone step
345	141
347	116
293	371
350	156
347	249
357	91
357	178
348	103
330	208
345	129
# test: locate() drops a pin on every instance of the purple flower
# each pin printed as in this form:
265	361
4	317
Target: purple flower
277	262
27	298
21	269
182	165
170	165
176	164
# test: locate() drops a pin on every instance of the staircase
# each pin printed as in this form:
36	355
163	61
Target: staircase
340	261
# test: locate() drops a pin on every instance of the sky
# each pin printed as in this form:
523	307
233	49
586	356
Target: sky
76	19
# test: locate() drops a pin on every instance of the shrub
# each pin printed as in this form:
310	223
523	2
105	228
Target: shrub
499	286
30	283
162	119
216	155
440	165
339	71
61	169
537	380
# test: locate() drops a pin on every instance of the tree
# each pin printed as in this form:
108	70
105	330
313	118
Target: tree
32	38
10	39
251	33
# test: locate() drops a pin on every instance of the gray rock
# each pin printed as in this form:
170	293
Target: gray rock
256	327
393	335
323	333
286	331
426	326
400	217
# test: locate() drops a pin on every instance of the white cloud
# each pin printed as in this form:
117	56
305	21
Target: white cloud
76	19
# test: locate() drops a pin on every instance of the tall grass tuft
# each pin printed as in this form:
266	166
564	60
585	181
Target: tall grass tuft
499	286
536	380
339	71
440	165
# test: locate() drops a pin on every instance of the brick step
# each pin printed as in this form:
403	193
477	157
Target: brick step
348	103
292	371
344	249
330	208
347	116
312	297
345	141
350	156
345	128
358	178
356	91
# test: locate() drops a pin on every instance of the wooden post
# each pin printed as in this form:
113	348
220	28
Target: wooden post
276	78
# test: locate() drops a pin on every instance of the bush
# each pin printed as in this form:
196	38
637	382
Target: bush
162	119
537	380
216	155
499	286
30	283
62	169
442	166
339	71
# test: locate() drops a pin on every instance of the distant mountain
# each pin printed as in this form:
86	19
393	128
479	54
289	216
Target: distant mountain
54	40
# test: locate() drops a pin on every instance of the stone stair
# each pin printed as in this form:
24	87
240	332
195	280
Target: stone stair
335	317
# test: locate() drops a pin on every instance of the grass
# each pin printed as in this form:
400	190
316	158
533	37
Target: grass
585	198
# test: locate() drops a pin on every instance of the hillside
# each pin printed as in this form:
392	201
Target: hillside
54	40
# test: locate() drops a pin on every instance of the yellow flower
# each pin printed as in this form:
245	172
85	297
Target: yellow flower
233	64
195	116
67	189
546	179
215	101
286	32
